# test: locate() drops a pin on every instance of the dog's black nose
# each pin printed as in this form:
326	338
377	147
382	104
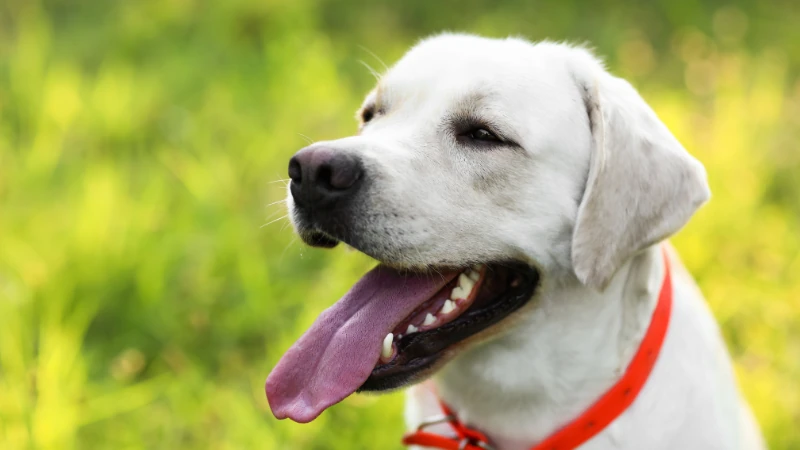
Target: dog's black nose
321	176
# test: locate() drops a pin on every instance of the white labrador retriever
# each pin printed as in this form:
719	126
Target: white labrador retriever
516	196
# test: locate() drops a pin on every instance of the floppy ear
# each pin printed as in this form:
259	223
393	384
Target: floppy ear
642	186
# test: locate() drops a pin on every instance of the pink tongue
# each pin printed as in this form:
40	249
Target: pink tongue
337	354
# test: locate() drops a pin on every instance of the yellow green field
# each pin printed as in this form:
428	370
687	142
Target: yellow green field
143	148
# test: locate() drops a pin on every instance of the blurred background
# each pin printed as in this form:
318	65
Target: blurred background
149	280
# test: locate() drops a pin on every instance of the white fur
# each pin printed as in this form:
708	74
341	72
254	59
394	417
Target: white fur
595	182
523	386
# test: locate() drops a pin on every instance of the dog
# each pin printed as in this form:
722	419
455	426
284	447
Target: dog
517	197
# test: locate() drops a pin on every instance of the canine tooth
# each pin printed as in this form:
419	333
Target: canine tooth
458	292
448	307
473	275
411	329
466	283
386	352
429	320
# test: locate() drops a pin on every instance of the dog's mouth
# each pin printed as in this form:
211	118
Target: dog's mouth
393	328
473	301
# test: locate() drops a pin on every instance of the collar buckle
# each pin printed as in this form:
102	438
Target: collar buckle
464	442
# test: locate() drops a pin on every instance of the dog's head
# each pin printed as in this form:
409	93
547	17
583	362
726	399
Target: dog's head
481	168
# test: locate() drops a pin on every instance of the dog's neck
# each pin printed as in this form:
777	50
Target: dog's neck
568	347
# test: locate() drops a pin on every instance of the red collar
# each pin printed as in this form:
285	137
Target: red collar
613	403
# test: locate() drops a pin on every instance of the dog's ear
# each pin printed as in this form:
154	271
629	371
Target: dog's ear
642	185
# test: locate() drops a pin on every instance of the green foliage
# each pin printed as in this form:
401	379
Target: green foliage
142	304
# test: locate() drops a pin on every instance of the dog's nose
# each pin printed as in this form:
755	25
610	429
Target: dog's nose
321	176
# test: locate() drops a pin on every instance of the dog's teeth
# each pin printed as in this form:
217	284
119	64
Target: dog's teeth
458	292
386	349
448	307
473	275
386	352
411	329
429	320
466	283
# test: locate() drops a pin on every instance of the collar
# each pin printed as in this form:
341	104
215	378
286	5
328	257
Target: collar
607	408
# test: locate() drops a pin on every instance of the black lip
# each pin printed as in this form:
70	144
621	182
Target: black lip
324	229
419	353
319	239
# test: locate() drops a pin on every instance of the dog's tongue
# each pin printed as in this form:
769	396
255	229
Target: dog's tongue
337	354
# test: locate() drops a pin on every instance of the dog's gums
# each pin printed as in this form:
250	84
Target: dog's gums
472	302
440	309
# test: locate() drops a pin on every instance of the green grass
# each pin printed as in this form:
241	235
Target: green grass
142	303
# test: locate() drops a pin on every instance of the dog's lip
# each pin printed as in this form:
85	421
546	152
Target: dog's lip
317	238
418	354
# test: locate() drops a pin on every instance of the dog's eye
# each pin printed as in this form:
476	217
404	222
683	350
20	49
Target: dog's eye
367	114
482	134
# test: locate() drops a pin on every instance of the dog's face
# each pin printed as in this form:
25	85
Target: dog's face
472	150
481	168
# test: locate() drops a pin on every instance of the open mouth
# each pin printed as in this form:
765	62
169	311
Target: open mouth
473	301
390	329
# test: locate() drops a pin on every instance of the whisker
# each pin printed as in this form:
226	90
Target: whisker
371	70
273	221
274	213
374	56
294	239
283	180
432	267
283	200
285	225
308	139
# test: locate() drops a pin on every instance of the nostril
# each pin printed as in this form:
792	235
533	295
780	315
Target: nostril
344	171
295	170
325	176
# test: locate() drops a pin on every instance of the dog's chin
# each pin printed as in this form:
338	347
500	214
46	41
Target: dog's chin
503	289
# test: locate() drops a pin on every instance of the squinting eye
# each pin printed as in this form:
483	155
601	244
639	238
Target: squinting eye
482	134
367	114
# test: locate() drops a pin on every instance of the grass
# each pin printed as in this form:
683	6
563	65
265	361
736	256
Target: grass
142	302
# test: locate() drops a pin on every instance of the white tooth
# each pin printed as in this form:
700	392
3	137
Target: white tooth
458	292
387	346
466	283
448	307
411	329
473	275
429	320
